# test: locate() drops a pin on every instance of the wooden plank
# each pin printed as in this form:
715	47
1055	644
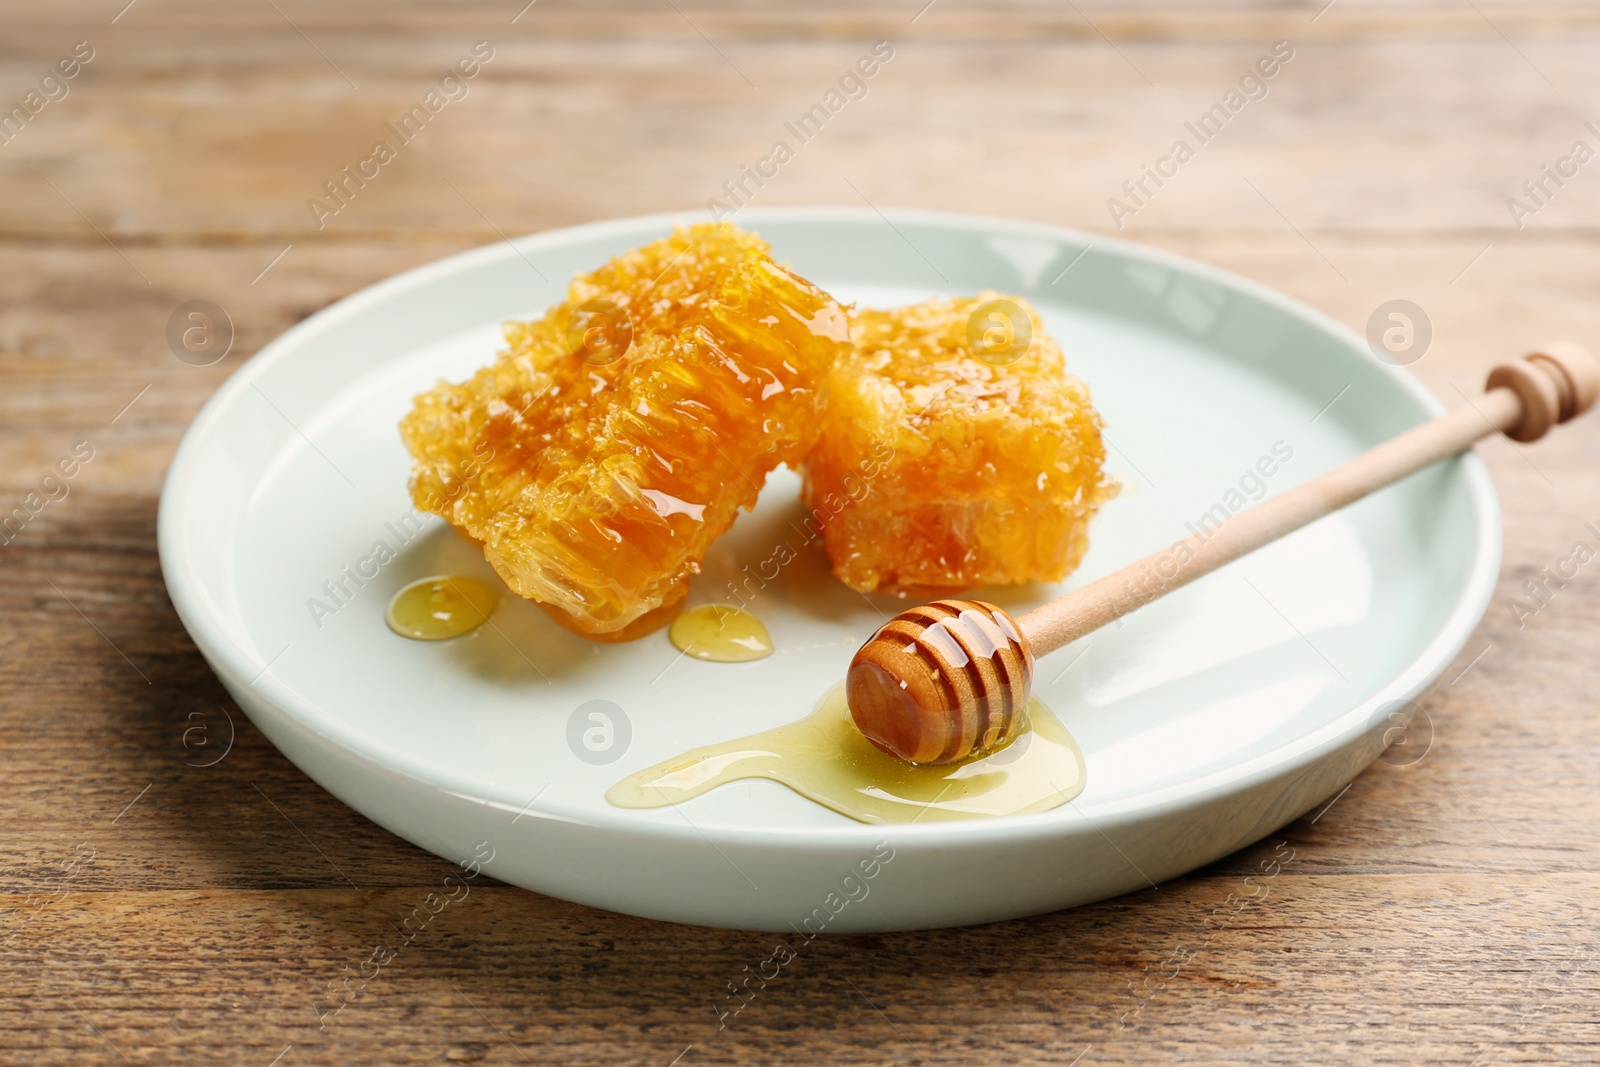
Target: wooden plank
136	148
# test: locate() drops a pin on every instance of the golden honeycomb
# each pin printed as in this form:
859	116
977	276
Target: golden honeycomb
956	451
613	439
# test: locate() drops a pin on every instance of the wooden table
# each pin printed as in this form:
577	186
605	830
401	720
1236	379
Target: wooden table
157	911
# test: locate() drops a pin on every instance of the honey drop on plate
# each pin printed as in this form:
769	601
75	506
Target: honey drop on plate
720	633
824	758
440	607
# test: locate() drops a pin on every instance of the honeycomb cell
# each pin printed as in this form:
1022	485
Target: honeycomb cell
615	437
956	451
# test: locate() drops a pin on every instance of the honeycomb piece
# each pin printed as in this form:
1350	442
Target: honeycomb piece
956	451
613	439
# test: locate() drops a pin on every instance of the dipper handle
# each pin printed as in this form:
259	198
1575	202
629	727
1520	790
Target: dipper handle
1524	399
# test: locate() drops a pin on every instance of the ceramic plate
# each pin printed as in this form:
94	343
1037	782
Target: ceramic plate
1207	720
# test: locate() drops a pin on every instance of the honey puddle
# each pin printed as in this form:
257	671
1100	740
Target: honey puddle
439	608
720	633
824	758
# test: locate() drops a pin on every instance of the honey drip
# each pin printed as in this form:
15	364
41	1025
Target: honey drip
720	633
439	608
824	758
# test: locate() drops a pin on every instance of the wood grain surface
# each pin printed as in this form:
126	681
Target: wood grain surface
157	911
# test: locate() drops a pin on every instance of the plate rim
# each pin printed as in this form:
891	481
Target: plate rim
222	651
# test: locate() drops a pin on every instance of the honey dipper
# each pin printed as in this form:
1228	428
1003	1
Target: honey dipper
950	680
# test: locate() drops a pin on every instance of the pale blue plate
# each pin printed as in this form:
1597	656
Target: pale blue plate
1208	719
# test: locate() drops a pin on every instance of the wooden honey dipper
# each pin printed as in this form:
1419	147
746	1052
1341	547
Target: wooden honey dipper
950	680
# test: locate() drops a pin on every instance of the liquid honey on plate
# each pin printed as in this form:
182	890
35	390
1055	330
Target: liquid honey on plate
439	608
824	758
720	633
